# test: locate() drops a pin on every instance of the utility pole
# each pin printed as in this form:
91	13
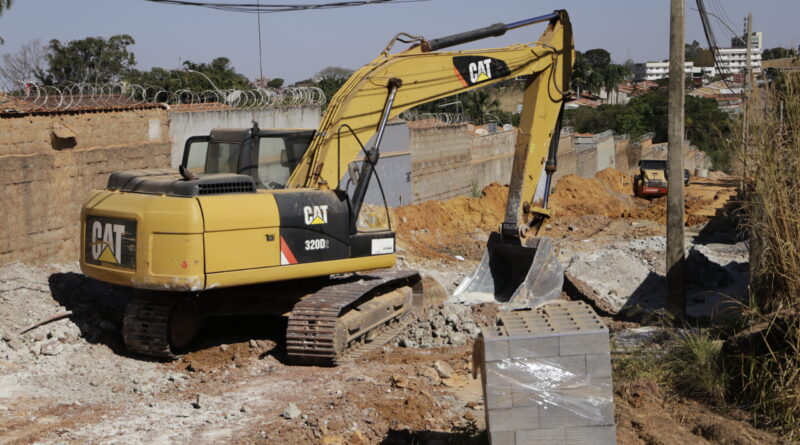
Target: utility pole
749	78
260	52
676	261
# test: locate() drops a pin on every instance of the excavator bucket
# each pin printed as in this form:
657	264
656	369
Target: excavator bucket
520	276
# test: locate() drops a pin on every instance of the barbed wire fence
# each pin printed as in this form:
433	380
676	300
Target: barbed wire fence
438	119
83	95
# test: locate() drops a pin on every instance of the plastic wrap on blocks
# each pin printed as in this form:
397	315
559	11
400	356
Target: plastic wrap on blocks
575	393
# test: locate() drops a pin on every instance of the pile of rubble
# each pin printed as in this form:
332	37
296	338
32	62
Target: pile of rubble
444	325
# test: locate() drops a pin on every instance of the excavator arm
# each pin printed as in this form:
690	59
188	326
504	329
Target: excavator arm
393	83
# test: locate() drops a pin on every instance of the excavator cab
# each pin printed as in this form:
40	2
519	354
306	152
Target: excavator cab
267	156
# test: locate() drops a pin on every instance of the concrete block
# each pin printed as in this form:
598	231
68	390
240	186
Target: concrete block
543	436
560	416
595	342
498	396
598	366
495	349
547	346
513	419
592	435
503	438
566	367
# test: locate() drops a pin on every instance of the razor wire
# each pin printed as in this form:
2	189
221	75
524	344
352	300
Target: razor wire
30	96
435	118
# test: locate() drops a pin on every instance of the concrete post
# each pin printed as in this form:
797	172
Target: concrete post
676	288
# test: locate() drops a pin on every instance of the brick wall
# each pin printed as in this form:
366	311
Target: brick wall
44	179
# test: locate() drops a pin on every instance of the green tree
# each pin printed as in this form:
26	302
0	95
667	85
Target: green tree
778	53
93	59
330	79
479	103
598	58
585	76
4	5
698	55
613	75
198	77
220	72
275	83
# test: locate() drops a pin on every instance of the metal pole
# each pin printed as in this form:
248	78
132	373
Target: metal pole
371	156
676	261
260	53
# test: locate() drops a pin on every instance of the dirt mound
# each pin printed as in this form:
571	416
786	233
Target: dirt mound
615	180
604	195
457	226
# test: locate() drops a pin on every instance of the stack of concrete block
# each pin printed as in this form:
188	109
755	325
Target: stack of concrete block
547	377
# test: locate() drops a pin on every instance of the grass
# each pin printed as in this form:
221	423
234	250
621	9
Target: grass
767	370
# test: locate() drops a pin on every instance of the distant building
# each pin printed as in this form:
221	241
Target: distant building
734	60
660	70
731	61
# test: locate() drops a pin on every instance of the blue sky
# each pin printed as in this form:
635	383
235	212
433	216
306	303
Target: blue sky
298	44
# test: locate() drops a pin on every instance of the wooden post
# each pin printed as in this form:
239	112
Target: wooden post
676	287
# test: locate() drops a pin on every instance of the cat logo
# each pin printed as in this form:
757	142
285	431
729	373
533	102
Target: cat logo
106	242
480	71
471	70
110	241
315	214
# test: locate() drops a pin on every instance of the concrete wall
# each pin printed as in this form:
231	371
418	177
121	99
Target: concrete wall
621	145
491	156
440	161
606	152
44	179
184	124
393	168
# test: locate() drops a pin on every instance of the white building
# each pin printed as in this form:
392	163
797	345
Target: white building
734	60
731	60
660	70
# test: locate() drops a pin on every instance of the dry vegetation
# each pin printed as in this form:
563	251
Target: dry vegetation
769	158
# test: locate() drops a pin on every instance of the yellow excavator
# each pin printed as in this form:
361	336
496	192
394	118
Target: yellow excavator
256	221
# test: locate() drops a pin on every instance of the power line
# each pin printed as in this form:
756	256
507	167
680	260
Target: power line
712	41
259	8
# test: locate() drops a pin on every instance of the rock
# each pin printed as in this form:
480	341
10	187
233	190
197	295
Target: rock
332	440
458	339
244	409
223	348
14	342
39	336
254	344
441	332
469	416
52	348
399	381
431	375
438	322
196	403
444	370
456	381
291	412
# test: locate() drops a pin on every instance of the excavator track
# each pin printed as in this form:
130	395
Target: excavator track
145	328
313	336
